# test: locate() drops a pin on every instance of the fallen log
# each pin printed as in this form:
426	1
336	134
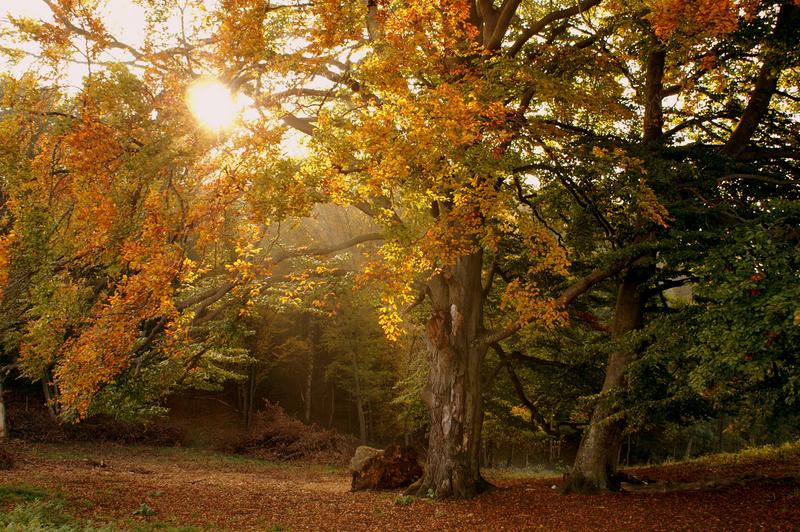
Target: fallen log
395	467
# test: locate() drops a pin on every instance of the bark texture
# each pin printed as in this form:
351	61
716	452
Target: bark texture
453	392
597	460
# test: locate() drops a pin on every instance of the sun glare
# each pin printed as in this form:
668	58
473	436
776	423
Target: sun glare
212	104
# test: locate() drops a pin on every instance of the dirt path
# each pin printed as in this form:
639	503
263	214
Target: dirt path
214	491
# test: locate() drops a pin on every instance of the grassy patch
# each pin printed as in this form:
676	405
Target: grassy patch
404	500
39	515
520	473
752	455
50	516
162	527
20	492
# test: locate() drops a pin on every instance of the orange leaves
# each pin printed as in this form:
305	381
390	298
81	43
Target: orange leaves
526	303
242	27
650	207
337	22
436	29
698	17
76	175
6	243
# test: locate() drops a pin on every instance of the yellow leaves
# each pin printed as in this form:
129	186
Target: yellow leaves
432	30
337	22
242	27
543	249
247	309
189	272
521	412
394	273
247	251
390	312
650	207
528	305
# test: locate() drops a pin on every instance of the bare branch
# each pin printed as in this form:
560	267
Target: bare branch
537	419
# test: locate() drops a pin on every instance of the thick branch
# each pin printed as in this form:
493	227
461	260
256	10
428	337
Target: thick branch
654	84
568	295
303	125
537	418
548	19
506	13
326	250
785	37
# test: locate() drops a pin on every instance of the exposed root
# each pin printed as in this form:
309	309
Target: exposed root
578	483
425	487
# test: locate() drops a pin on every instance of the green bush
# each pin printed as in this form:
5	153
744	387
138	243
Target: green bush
404	500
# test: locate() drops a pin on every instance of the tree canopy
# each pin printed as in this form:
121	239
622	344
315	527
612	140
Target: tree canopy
528	183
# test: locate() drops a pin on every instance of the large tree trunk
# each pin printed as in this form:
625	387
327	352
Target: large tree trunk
453	392
597	460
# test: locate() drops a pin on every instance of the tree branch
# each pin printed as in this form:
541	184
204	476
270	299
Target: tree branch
548	19
537	419
784	39
568	295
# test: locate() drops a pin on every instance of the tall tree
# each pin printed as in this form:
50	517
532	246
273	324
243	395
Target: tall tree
679	50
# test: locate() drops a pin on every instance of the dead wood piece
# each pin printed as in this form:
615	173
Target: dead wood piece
707	485
393	468
94	463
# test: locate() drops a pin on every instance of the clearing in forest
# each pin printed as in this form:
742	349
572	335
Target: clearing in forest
120	487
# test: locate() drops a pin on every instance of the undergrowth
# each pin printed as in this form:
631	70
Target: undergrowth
20	492
785	451
39	510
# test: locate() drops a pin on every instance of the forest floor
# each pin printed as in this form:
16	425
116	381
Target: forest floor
123	487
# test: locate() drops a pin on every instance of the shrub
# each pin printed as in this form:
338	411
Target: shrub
404	500
34	424
276	436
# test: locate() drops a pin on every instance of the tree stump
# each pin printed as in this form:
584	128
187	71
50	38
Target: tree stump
395	467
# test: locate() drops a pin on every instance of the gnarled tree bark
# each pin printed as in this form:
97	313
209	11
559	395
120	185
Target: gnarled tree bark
453	393
597	460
